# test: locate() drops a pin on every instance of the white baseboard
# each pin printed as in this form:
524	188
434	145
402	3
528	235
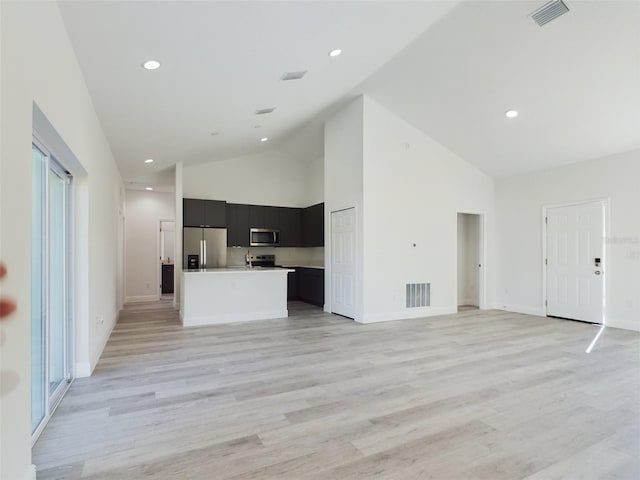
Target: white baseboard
408	314
142	298
525	309
31	473
196	321
106	338
82	369
623	324
468	301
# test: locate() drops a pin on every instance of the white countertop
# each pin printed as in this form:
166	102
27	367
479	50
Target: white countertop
320	267
239	270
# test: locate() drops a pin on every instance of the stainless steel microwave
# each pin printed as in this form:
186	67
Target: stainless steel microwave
264	237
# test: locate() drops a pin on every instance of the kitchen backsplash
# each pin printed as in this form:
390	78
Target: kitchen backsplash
284	256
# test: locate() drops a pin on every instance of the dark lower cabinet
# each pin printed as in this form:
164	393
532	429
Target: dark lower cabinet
292	285
167	279
310	285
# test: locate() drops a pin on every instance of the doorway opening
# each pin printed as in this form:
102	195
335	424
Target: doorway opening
167	256
470	261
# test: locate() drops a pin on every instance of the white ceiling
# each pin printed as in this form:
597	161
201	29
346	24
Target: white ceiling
575	83
220	62
451	69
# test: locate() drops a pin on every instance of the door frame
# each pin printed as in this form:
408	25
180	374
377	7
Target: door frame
605	203
159	255
482	257
52	399
328	287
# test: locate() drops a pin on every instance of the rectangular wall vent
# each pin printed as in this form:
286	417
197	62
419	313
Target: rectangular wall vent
264	111
293	75
418	295
549	11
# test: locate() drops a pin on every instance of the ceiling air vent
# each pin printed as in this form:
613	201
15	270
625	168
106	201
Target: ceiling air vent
548	12
264	111
293	75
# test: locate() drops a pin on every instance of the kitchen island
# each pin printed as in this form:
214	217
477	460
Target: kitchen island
213	296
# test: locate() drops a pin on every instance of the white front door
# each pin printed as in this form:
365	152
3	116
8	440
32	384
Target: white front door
343	266
575	263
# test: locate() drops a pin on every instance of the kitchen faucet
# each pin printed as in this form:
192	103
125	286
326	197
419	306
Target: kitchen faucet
247	258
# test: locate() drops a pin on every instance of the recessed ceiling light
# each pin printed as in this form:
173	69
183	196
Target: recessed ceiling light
335	52
149	160
148	188
215	133
257	126
264	139
511	113
151	65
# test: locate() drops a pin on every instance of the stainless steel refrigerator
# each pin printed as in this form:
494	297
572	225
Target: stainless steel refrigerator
209	244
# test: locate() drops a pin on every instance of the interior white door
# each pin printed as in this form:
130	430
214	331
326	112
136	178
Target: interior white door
343	266
575	263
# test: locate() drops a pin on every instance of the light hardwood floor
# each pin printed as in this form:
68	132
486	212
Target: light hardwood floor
476	395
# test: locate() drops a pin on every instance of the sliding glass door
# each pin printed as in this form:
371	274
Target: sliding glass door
50	274
38	300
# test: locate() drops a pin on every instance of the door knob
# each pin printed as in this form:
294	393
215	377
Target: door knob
597	272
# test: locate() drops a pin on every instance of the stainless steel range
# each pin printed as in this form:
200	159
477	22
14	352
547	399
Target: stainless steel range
260	260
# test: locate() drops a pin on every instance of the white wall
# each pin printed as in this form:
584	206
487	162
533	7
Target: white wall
413	189
168	238
273	178
519	204
468	245
144	210
343	187
315	181
177	264
39	66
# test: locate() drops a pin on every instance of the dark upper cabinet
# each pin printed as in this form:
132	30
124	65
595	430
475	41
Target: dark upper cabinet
215	214
313	226
290	227
299	227
237	225
262	216
192	212
204	213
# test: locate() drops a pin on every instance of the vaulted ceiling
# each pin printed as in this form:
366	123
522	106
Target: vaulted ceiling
450	68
